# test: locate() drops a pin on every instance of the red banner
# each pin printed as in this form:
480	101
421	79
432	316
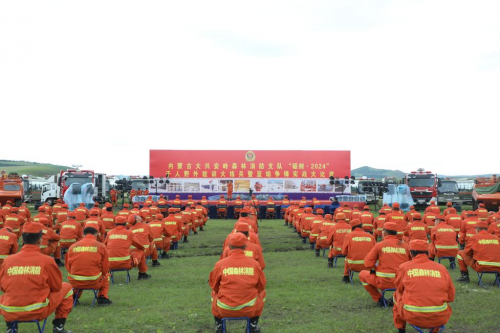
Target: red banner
250	164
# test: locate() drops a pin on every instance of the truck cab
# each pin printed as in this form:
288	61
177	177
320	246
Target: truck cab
448	192
423	186
11	188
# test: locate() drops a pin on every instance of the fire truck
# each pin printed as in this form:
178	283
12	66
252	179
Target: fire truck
58	185
487	191
11	188
423	186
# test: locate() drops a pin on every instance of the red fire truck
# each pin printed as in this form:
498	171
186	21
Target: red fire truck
423	186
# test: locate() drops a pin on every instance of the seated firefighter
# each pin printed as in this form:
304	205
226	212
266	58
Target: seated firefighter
270	209
119	242
222	207
238	285
423	291
32	285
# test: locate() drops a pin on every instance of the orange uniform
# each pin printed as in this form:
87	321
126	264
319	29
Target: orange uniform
410	213
222	207
397	217
305	223
25	212
416	230
118	241
114	196
163	205
324	230
482	253
423	291
15	222
82	213
124	212
108	218
494	227
8	244
33	287
449	210
367	220
378	224
133	193
98	224
238	286
433	208
143	233
481	213
230	190
70	232
161	237
174	226
386	209
429	220
316	224
253	251
443	241
62	215
336	236
467	229
238	206
390	253
455	221
87	263
357	245
50	243
177	203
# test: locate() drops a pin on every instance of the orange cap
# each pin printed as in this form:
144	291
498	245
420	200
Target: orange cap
419	245
32	228
159	216
241	226
395	205
309	210
390	226
328	216
482	224
94	211
366	207
238	240
340	216
320	211
355	222
120	220
72	215
417	216
449	204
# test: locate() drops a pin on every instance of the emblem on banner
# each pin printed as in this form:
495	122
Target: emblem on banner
250	156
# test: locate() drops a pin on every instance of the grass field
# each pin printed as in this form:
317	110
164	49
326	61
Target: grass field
303	294
30	168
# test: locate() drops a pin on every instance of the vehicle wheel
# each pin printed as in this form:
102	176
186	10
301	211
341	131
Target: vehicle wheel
474	204
18	202
50	201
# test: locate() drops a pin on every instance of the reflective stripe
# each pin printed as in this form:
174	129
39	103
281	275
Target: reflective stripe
459	257
364	284
356	262
489	263
69	294
469	235
145	246
400	232
85	278
367	225
238	307
44	246
157	239
457	229
337	248
3	256
26	308
108	230
414	308
446	246
15	230
67	240
386	275
315	235
119	258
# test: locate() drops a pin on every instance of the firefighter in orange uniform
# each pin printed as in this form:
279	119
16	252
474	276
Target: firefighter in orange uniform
95	221
336	236
481	213
70	232
82	213
467	228
270	208
433	208
41	213
118	242
50	242
161	236
62	215
347	212
367	220
143	233
416	229
8	243
397	217
378	224
108	218
96	207
443	240
285	203
494	227
409	214
25	212
114	196
356	246
15	221
326	226
204	202
177	203
455	221
252	251
449	209
390	253
174	226
238	286
386	209
222	207
482	253
238	206
316	224
124	212
204	214
87	263
423	291
305	224
230	191
132	194
163	205
30	270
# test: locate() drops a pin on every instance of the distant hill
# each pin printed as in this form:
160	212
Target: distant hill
30	168
376	173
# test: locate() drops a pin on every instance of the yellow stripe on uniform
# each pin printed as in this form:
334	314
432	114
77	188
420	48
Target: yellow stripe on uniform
27	308
414	308
385	275
85	278
238	307
119	258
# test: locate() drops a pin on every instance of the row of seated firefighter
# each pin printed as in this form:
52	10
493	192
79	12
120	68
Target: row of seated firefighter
396	252
94	250
237	281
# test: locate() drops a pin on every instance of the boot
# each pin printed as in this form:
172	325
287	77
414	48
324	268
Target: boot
346	279
156	263
143	276
330	262
11	327
101	300
401	330
253	325
218	325
59	263
165	255
196	232
317	252
381	302
185	239
201	229
59	325
464	277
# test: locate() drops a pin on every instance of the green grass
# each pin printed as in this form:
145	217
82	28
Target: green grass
303	294
30	168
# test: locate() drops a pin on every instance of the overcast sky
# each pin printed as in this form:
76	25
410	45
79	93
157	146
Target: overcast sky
402	84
